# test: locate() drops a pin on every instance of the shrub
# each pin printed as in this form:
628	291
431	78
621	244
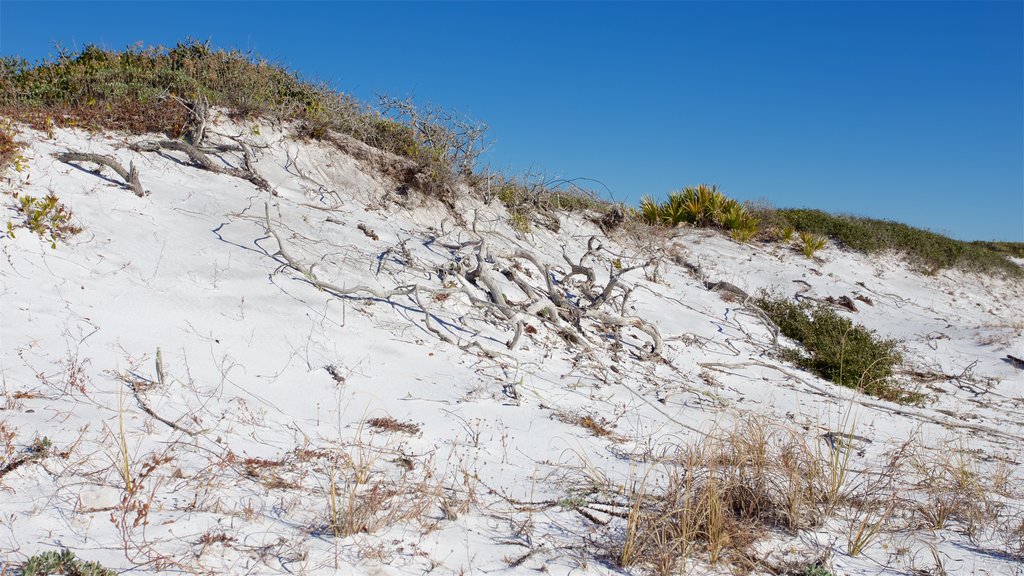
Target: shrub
836	349
47	217
816	570
928	250
62	562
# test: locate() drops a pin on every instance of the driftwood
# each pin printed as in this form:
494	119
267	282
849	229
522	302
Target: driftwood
198	116
727	287
130	176
842	302
476	279
202	160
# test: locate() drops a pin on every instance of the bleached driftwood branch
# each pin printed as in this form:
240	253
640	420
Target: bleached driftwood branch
130	176
476	280
202	160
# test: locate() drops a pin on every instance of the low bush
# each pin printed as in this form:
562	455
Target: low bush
62	562
836	349
928	250
1015	249
47	217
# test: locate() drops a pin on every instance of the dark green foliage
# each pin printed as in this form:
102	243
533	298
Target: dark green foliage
928	250
1015	249
62	562
837	349
816	570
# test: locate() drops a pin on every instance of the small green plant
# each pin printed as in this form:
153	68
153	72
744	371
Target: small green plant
837	349
811	243
40	447
786	233
520	222
47	217
62	562
816	570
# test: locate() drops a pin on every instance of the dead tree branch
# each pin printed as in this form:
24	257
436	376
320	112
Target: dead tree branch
130	176
202	160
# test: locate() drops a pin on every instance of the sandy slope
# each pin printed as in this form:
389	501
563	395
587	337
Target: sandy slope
235	476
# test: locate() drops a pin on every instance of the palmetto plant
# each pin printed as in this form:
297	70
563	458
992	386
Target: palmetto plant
703	206
811	243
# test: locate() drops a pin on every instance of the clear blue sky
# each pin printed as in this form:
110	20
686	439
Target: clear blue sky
912	111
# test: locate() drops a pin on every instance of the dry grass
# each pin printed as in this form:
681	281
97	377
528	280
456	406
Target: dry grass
7	446
720	494
596	425
954	490
724	492
389	424
361	497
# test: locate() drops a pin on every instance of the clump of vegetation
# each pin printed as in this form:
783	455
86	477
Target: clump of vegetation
811	243
816	570
145	90
1015	249
533	199
930	251
390	424
47	217
702	206
10	149
837	349
721	493
63	562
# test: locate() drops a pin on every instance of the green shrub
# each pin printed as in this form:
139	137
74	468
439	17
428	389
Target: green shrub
1015	249
836	349
62	562
816	570
929	251
47	217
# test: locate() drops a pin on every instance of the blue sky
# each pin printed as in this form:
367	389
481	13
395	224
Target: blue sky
912	111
